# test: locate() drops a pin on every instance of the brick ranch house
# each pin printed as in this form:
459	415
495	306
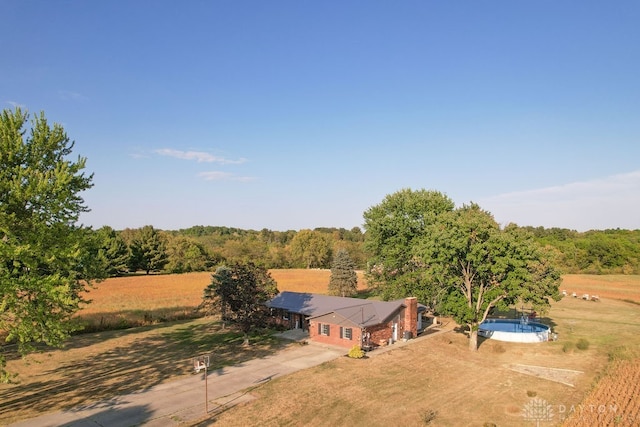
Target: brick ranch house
348	321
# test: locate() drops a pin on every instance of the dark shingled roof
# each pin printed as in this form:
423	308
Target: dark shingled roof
363	315
353	310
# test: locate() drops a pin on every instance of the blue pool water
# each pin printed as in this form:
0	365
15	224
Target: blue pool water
514	330
512	325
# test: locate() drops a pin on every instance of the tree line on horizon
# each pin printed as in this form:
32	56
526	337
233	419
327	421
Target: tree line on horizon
203	248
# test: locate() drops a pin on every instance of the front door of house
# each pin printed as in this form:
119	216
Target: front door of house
395	330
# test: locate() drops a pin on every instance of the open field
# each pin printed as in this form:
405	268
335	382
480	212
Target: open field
616	286
434	377
143	300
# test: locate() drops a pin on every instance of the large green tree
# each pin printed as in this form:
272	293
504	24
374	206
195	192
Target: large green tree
245	249
392	228
45	257
343	280
148	250
113	252
185	255
240	292
312	248
470	265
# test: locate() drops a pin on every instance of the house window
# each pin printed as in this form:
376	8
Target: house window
346	333
324	329
285	315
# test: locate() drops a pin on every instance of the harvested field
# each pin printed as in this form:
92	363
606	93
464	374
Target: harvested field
144	300
614	402
122	302
614	286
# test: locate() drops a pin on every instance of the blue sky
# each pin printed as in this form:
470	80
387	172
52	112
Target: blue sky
303	114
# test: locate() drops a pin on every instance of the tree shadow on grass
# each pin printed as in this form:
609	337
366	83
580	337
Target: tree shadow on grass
547	321
481	341
140	364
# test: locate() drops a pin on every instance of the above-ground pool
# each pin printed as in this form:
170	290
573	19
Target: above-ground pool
514	330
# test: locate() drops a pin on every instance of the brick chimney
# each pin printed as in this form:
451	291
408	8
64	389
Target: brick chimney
411	316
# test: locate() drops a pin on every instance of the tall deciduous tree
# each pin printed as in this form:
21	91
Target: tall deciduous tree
458	260
149	250
392	228
185	255
473	266
312	248
240	291
343	280
45	257
113	251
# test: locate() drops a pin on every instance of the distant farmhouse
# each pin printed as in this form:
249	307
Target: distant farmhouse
348	321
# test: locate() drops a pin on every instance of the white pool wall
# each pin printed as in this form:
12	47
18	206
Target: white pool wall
521	337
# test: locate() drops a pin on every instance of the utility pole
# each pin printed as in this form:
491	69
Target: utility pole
199	363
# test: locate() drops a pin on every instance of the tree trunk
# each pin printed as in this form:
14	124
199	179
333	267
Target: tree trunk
473	337
223	315
246	339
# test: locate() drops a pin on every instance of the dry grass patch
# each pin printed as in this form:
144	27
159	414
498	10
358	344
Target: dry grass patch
435	375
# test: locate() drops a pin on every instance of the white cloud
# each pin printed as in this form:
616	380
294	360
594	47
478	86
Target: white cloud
16	105
136	152
199	156
609	202
223	176
68	95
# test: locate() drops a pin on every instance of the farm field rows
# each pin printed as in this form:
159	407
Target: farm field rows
614	402
435	376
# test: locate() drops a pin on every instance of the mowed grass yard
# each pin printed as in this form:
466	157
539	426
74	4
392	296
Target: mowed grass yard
433	378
